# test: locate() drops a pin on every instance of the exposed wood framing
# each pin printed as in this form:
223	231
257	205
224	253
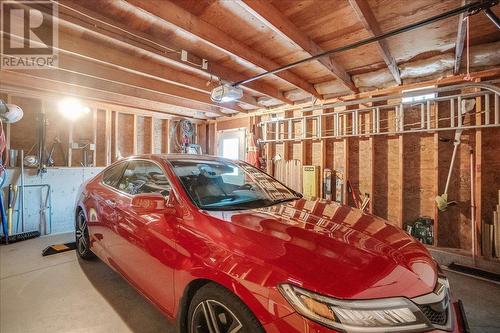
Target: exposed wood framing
134	135
107	138
436	187
70	141
152	141
345	194
459	44
365	14
372	173
176	16
115	137
149	45
104	92
401	180
94	135
282	25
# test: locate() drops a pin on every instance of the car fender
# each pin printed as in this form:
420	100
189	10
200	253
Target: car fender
250	293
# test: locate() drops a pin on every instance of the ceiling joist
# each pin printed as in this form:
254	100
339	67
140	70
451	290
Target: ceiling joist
175	16
281	25
365	14
77	17
118	96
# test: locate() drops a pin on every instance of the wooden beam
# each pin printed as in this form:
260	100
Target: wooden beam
138	40
82	81
72	63
115	137
284	27
459	43
179	18
436	187
152	141
365	14
117	97
107	138
102	72
401	149
94	135
345	194
98	71
134	135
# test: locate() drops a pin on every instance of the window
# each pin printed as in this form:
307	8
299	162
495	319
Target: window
113	174
212	186
143	177
230	148
418	98
232	144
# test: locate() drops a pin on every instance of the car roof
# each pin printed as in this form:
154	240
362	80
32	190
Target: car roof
173	157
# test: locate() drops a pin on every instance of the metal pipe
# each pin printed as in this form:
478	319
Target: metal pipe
22	191
471	8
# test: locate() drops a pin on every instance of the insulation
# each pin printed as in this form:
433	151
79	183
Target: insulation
374	80
427	67
431	68
483	55
297	95
267	101
331	87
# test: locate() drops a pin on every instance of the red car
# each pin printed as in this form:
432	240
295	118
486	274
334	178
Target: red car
219	246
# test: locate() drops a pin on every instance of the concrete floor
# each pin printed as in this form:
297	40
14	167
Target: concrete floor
60	293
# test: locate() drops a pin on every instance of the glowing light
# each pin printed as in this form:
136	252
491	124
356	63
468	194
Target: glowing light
72	109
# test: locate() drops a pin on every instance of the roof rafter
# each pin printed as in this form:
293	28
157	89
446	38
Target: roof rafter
365	14
177	17
280	24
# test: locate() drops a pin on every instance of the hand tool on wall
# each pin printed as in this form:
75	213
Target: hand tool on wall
50	159
442	200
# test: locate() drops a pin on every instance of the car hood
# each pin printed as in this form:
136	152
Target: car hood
330	249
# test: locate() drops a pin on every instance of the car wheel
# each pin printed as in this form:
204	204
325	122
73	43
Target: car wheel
82	237
215	309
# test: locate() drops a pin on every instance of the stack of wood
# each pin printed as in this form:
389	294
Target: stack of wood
491	234
289	173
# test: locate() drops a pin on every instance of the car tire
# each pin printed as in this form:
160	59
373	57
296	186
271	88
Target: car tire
82	237
215	305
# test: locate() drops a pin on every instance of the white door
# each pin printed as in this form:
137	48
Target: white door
232	144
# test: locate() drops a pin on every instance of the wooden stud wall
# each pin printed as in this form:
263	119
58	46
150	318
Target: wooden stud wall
403	174
112	131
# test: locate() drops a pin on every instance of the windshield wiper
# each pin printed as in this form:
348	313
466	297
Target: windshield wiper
275	202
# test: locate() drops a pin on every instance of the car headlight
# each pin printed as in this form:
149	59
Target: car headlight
396	314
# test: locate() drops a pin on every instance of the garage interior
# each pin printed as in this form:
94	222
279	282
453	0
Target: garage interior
405	127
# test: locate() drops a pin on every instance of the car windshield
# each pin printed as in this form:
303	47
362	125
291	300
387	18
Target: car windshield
229	185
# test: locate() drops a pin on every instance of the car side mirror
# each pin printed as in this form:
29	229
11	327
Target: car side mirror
144	203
